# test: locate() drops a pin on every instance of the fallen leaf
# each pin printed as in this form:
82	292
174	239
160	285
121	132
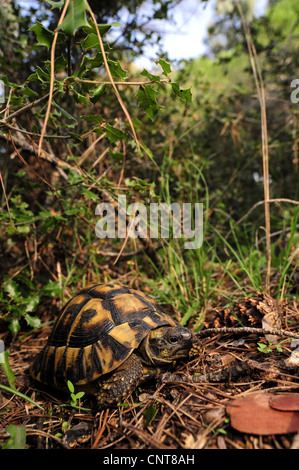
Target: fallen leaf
221	442
253	414
198	442
293	360
273	312
288	402
268	323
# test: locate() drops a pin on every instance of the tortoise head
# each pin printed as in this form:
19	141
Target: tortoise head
165	344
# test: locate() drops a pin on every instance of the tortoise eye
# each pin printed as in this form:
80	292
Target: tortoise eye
173	339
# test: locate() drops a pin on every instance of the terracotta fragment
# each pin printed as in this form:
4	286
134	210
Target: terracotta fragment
253	414
288	402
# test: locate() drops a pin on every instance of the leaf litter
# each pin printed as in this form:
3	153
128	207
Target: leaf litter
233	396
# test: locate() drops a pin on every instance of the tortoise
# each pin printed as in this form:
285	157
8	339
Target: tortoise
108	339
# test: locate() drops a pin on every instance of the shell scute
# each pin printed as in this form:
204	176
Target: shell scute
95	333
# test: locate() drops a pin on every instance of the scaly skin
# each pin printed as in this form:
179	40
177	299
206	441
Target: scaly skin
125	379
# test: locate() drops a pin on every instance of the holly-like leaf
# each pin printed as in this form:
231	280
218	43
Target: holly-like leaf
14	326
75	17
56	4
34	322
90	41
7	82
116	69
12	289
98	92
64	112
114	134
147	100
103	28
154	78
31	303
80	98
185	95
39	74
51	289
165	66
96	118
44	35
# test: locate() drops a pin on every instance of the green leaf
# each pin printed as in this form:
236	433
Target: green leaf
89	194
116	69
103	28
75	17
34	322
11	287
23	229
114	134
154	78
264	348
7	82
17	438
4	362
70	386
48	224
31	303
52	289
149	153
56	4
63	111
39	74
190	312
14	326
27	91
73	399
43	214
90	41
149	414
185	95
74	177
98	92
165	66
80	98
44	35
116	24
147	100
93	118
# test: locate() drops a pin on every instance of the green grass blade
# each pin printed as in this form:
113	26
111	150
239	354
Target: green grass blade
21	395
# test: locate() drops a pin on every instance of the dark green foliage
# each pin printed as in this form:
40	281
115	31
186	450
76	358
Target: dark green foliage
198	127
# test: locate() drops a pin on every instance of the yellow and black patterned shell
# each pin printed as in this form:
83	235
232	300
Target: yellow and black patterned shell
95	332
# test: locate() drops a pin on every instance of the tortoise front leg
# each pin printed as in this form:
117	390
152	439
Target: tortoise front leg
150	373
120	383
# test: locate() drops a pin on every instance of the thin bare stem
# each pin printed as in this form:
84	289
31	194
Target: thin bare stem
33	134
105	82
111	78
26	108
52	78
6	200
257	204
261	96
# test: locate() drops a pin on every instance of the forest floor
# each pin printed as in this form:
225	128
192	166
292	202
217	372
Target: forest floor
245	397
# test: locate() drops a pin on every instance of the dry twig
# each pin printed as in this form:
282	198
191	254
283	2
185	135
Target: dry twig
265	151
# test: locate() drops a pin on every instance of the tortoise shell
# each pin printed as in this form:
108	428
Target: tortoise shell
95	333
